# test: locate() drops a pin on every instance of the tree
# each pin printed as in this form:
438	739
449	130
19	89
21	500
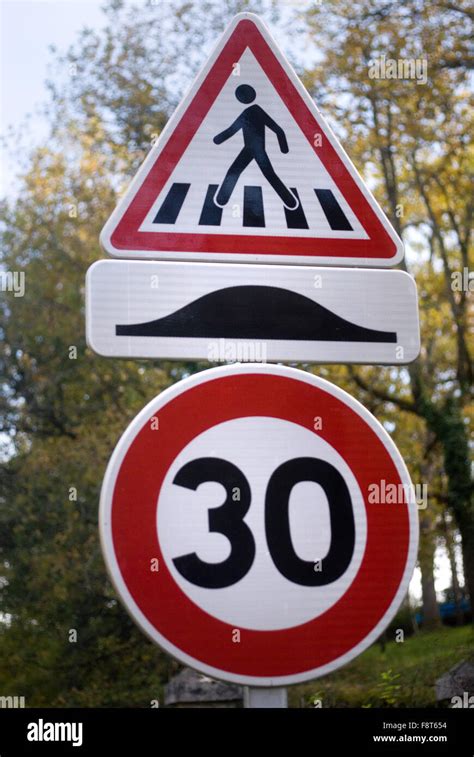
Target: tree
414	143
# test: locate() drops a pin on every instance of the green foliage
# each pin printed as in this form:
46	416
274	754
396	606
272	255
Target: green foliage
413	141
387	691
403	675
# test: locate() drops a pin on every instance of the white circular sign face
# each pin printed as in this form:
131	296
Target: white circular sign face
263	599
245	524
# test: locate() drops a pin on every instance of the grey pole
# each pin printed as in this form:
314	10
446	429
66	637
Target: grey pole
265	697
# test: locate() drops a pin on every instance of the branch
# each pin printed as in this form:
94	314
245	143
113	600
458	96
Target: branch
380	394
456	9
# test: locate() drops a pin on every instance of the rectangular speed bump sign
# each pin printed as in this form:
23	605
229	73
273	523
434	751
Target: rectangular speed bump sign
234	312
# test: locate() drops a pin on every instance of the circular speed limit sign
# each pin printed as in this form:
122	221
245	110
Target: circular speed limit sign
259	524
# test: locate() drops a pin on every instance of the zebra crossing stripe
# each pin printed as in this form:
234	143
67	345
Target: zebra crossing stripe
332	210
254	214
169	211
296	219
211	213
253	207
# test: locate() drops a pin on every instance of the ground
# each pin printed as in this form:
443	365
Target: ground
403	675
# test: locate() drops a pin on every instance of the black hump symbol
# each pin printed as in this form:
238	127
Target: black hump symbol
256	312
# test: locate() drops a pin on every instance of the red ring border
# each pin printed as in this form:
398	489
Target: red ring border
175	616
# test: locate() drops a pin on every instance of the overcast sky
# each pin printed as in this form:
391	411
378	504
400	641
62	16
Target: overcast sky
27	29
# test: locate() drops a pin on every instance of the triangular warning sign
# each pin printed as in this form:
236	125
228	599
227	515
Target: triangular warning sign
247	169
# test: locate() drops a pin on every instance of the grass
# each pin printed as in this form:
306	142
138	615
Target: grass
403	675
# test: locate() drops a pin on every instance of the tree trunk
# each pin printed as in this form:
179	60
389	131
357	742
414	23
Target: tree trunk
451	431
466	528
431	616
414	623
449	540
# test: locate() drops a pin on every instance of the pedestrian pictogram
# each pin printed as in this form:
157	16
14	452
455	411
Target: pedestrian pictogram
252	122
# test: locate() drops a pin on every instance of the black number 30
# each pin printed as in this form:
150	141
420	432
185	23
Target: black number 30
228	520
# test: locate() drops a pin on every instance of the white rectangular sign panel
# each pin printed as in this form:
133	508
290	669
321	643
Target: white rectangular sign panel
226	312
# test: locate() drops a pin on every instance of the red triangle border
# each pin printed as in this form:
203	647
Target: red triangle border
126	236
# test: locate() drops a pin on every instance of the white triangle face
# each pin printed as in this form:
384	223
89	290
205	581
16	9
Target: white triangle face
277	187
299	169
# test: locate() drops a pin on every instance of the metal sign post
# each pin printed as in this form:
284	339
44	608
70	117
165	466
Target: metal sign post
261	697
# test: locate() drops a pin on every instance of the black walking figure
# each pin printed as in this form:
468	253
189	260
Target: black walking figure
253	121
